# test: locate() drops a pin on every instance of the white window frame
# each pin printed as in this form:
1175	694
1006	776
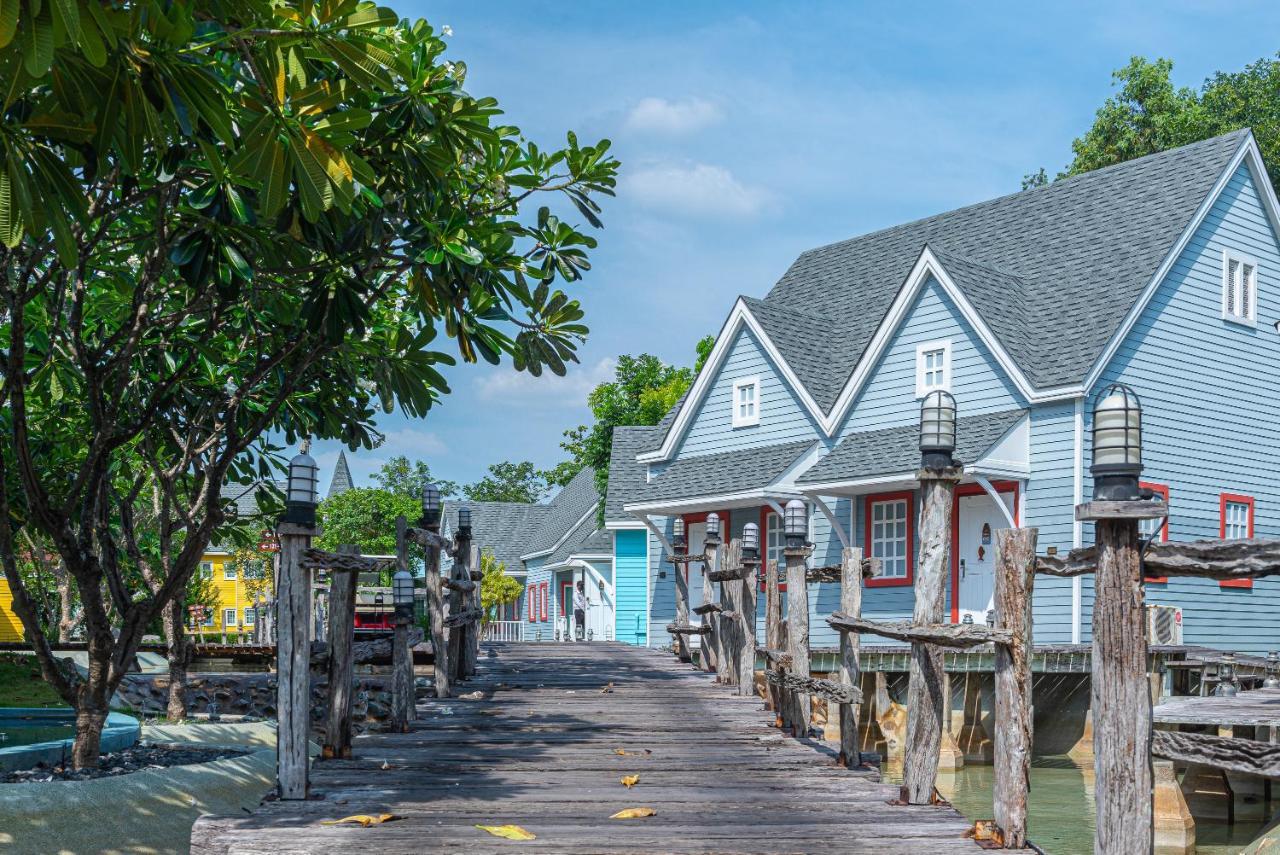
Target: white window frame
753	418
905	540
206	569
922	350
1250	316
250	615
1241	525
774	538
229	571
232	613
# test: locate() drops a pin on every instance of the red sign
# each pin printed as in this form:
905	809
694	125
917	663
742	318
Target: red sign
268	542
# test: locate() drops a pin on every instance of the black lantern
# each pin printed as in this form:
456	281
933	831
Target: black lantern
679	540
430	506
464	522
713	529
937	430
1117	445
751	541
302	498
402	594
795	523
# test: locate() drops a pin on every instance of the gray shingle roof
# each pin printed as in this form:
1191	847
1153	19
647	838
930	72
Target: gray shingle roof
502	527
564	511
626	476
726	472
890	451
585	539
1075	254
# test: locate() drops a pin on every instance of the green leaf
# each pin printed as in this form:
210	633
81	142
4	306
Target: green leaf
8	20
10	219
469	254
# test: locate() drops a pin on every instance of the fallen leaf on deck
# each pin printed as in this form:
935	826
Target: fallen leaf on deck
388	766
362	820
472	696
622	752
634	813
607	689
511	832
630	781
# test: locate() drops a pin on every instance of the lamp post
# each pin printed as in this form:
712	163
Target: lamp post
680	544
795	527
431	506
402	688
461	571
747	608
938	476
712	654
293	687
432	510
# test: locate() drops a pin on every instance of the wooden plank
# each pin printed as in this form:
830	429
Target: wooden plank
1247	756
830	690
1015	576
747	629
1254	708
958	635
1205	559
341	562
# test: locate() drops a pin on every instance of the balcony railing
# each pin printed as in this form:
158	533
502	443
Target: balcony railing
503	630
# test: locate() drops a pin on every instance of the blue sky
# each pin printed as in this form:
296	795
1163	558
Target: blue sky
749	132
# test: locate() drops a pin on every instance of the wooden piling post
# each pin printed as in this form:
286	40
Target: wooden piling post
1015	574
710	640
461	570
293	662
342	627
435	616
1121	700
681	641
924	691
850	667
402	688
773	632
747	640
798	703
471	647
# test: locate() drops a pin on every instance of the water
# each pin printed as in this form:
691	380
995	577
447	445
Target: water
12	733
1060	811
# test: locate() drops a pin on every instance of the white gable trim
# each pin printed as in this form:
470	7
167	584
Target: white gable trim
1248	154
529	555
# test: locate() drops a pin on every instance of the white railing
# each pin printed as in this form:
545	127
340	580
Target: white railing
503	630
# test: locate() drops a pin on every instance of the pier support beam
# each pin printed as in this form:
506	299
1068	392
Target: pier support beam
1175	829
950	757
973	739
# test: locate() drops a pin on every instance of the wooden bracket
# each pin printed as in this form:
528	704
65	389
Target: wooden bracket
943	635
828	689
342	562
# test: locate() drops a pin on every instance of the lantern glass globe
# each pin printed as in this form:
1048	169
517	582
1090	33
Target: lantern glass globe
402	588
751	538
713	525
937	429
304	477
796	519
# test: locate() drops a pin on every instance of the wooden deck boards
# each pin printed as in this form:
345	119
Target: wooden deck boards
539	751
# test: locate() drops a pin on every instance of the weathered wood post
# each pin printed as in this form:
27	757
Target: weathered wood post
747	609
773	635
796	554
680	563
461	571
471	647
850	667
402	688
938	478
293	652
729	623
435	599
342	626
710	643
1015	574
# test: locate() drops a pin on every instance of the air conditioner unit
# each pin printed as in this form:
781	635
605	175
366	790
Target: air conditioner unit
1164	625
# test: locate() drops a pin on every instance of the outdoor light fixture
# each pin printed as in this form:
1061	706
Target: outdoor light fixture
937	430
1227	676
678	538
377	599
713	528
464	522
795	523
430	505
1117	445
1273	671
304	478
751	541
402	594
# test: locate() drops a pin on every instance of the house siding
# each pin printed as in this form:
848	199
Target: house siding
631	581
662	599
536	576
782	416
1049	505
10	625
1210	413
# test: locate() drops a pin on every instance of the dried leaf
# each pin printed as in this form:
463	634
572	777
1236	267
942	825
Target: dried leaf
622	752
634	813
363	819
630	781
511	832
607	689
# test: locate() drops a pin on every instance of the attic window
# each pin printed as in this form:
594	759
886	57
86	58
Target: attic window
1239	289
746	402
933	367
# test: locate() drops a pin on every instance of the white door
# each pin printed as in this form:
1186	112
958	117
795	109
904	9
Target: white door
978	520
697	534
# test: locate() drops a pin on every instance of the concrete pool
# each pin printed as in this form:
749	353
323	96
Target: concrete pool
32	736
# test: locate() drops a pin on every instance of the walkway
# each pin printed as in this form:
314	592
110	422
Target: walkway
540	750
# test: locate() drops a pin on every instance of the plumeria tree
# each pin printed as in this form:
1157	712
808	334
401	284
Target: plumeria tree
228	220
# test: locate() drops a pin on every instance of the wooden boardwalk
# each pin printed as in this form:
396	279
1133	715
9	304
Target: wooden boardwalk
540	750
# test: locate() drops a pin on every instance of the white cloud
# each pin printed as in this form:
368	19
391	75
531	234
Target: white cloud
672	118
570	390
698	189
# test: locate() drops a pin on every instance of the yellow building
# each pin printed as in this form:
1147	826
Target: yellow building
10	626
236	588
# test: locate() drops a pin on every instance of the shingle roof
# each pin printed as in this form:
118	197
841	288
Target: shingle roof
564	511
585	539
726	472
894	450
502	527
1073	254
341	481
626	476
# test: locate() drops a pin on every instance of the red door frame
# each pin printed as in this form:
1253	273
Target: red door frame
972	490
1161	490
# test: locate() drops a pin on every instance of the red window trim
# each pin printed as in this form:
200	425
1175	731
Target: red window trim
532	598
973	490
542	600
873	499
1161	490
1238	498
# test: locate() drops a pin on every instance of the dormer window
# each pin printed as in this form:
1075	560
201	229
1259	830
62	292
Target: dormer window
933	367
746	402
1239	289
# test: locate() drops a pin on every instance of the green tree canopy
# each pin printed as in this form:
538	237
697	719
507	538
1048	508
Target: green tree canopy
1149	114
496	588
226	220
365	517
403	478
509	482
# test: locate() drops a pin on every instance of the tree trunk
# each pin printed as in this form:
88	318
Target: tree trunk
1014	582
92	702
179	648
924	691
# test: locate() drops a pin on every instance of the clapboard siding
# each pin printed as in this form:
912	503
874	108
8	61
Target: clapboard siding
977	381
631	581
1211	414
537	575
782	417
1048	504
662	586
10	626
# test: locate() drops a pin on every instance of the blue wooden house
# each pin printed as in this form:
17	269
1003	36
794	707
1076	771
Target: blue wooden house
1162	273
